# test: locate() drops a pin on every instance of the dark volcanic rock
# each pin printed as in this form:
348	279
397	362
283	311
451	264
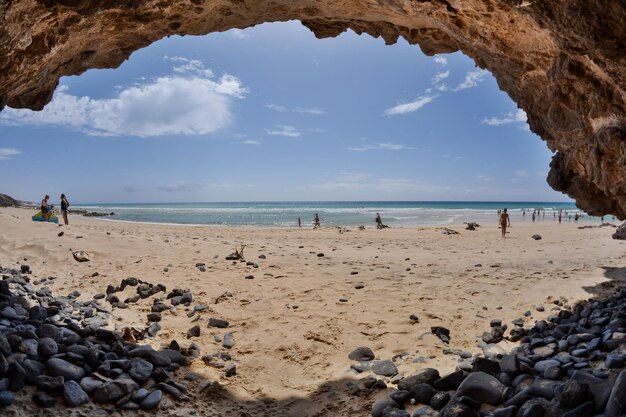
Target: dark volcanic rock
384	368
362	353
74	394
140	370
379	407
450	381
60	367
151	400
427	376
482	387
219	323
616	405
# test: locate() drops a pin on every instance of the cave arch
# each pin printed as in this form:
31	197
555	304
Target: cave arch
563	62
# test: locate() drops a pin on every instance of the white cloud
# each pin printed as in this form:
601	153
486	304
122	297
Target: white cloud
189	102
239	33
6	153
472	79
519	116
440	76
441	60
522	174
381	147
448	156
131	189
484	178
410	107
299	110
282	130
251	142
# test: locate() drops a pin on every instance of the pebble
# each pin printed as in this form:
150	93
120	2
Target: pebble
193	332
384	368
74	394
219	323
230	370
151	400
60	367
359	285
229	341
362	353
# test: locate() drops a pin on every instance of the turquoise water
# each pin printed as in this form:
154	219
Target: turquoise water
355	213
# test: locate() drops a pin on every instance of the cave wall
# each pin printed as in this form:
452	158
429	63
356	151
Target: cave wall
562	61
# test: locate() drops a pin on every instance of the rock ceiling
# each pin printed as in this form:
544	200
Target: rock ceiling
562	61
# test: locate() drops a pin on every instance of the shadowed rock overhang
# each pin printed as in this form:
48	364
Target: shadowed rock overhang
562	61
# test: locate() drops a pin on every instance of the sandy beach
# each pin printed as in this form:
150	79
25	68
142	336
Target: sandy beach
292	331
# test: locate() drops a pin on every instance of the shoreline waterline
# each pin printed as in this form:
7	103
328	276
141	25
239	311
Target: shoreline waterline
338	214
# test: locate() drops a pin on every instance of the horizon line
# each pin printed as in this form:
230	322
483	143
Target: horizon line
330	201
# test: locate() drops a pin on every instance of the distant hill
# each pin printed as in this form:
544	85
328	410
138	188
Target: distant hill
6	201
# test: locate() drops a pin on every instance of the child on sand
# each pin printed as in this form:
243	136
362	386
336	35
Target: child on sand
45	208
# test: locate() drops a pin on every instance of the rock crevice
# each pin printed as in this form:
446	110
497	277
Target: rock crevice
563	62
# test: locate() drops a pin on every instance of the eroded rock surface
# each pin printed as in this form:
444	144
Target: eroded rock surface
562	61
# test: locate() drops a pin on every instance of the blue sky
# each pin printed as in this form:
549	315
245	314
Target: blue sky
272	113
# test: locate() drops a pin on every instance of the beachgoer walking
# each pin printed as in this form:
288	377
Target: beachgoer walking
533	216
299	222
524	215
504	222
45	208
64	205
559	217
316	221
576	218
379	221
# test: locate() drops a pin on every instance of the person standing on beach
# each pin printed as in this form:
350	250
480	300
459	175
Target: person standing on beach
316	221
379	221
299	222
505	221
45	208
64	205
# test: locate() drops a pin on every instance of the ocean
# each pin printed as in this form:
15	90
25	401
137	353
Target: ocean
332	213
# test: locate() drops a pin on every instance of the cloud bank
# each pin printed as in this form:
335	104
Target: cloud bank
191	101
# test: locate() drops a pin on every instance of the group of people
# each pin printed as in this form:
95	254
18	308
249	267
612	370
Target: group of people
317	221
47	209
559	215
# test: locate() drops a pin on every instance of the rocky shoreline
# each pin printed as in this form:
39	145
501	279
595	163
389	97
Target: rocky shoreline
570	365
64	348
